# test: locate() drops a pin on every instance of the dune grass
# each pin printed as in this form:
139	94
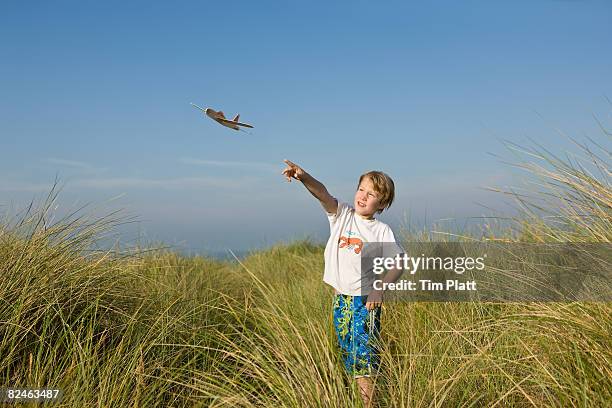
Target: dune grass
153	328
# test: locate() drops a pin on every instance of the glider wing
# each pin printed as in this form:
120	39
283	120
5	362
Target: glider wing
231	122
199	107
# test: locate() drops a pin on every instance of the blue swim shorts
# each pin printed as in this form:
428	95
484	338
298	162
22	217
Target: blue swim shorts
358	333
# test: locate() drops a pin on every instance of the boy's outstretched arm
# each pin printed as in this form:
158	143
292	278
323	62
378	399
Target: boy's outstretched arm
315	187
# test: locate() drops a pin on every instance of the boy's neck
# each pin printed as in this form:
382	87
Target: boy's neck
371	217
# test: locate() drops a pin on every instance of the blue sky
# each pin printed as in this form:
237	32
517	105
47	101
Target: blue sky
98	93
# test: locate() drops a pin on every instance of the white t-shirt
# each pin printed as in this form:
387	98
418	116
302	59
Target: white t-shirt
343	252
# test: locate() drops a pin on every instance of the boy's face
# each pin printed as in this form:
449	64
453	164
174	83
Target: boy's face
367	200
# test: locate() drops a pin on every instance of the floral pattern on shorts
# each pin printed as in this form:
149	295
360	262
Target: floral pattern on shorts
358	333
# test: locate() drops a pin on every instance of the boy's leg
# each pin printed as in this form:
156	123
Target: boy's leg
343	319
358	334
369	348
366	389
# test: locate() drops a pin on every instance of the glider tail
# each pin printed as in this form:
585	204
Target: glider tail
236	118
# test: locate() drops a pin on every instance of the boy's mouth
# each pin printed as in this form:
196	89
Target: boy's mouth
359	203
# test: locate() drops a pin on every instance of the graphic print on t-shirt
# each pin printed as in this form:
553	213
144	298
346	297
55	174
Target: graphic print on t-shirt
350	242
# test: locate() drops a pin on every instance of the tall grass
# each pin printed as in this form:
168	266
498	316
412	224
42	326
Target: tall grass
571	198
101	325
152	328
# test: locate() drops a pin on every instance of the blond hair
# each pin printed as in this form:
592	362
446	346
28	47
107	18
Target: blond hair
383	185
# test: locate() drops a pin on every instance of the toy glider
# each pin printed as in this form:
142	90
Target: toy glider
219	117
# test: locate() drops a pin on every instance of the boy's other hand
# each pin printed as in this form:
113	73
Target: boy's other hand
375	299
293	171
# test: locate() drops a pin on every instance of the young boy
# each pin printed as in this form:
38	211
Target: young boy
356	306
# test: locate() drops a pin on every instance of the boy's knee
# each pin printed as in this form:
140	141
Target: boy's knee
364	382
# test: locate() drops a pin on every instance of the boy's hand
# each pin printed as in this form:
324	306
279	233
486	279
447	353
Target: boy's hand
293	171
318	190
375	299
